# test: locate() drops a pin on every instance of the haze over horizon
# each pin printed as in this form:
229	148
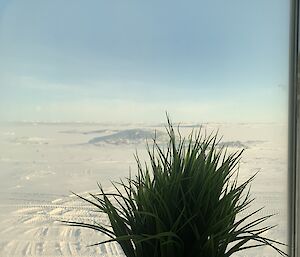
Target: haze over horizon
130	61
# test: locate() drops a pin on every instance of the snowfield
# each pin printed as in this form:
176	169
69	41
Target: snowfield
41	163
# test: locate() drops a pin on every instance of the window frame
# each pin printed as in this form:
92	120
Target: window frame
293	131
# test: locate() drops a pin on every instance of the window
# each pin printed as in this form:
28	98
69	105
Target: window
84	83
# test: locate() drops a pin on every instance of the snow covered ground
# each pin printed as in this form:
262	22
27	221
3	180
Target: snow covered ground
41	163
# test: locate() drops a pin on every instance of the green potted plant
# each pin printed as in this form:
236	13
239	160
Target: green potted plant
184	203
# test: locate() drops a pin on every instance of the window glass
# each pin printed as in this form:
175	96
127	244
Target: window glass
84	83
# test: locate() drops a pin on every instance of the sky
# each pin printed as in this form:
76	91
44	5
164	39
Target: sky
133	60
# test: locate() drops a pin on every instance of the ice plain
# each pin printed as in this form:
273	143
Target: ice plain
41	163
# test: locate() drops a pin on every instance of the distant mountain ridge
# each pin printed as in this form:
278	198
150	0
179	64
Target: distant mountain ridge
128	136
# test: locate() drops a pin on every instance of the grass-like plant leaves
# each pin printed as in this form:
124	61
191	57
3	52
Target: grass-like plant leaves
183	204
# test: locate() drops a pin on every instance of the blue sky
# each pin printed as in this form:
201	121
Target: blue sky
129	60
